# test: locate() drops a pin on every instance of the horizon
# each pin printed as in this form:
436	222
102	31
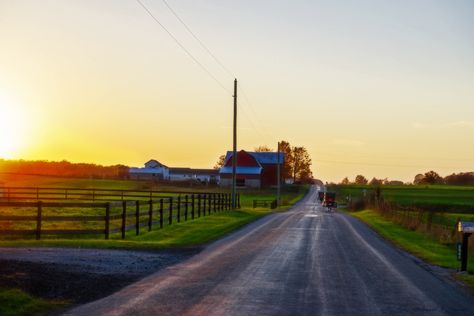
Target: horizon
376	88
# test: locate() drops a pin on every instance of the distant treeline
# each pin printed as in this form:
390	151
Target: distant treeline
63	168
430	177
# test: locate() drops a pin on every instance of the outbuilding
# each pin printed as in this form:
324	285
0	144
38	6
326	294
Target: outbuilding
153	170
254	169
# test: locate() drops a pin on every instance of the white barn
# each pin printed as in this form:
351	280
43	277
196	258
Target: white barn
153	170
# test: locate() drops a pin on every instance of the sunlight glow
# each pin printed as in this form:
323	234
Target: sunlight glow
11	127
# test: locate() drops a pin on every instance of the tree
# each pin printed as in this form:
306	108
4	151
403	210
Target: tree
263	149
220	162
345	181
462	178
376	181
360	179
301	165
432	177
286	151
418	179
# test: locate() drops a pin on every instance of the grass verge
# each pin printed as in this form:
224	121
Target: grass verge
17	303
417	244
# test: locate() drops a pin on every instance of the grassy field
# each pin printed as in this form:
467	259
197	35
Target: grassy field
17	303
193	233
455	199
417	243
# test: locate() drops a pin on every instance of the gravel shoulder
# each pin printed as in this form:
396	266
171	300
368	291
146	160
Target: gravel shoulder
81	275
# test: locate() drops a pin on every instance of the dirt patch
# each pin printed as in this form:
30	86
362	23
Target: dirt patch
80	275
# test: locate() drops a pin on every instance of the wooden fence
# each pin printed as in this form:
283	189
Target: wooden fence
109	217
9	194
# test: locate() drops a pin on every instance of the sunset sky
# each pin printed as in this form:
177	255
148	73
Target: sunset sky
379	88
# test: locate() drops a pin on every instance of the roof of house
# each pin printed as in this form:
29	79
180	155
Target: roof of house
194	171
180	170
156	162
206	171
144	170
263	157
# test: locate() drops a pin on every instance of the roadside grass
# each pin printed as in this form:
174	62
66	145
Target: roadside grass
14	302
417	243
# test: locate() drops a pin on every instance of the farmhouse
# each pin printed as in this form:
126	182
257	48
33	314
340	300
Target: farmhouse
200	175
153	170
254	169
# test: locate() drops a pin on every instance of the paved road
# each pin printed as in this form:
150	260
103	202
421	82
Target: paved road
302	262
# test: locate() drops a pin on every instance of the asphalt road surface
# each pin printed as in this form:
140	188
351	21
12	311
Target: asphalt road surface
306	261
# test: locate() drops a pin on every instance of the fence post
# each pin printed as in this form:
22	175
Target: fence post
150	215
93	195
170	218
38	220
214	201
37	194
124	218
178	215
137	217
107	220
186	208
204	204
199	205
229	202
464	250
238	200
192	206
161	213
209	201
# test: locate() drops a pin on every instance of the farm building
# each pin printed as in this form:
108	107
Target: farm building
153	170
254	169
201	175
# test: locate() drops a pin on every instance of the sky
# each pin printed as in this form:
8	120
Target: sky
379	88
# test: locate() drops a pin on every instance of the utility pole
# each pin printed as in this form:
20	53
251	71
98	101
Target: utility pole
278	175
234	151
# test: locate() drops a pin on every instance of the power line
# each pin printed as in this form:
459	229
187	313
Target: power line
183	48
199	41
226	69
247	99
264	134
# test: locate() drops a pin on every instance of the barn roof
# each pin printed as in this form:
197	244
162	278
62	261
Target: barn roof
263	157
242	170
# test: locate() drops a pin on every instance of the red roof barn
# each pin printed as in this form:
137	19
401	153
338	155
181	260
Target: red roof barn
254	169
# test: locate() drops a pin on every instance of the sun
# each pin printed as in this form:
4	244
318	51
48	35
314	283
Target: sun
11	129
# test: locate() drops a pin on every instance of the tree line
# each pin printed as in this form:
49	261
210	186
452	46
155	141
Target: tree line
430	177
63	168
297	165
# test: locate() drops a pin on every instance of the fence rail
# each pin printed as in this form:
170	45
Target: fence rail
11	194
107	217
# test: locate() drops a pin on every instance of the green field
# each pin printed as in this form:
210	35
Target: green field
454	199
193	233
